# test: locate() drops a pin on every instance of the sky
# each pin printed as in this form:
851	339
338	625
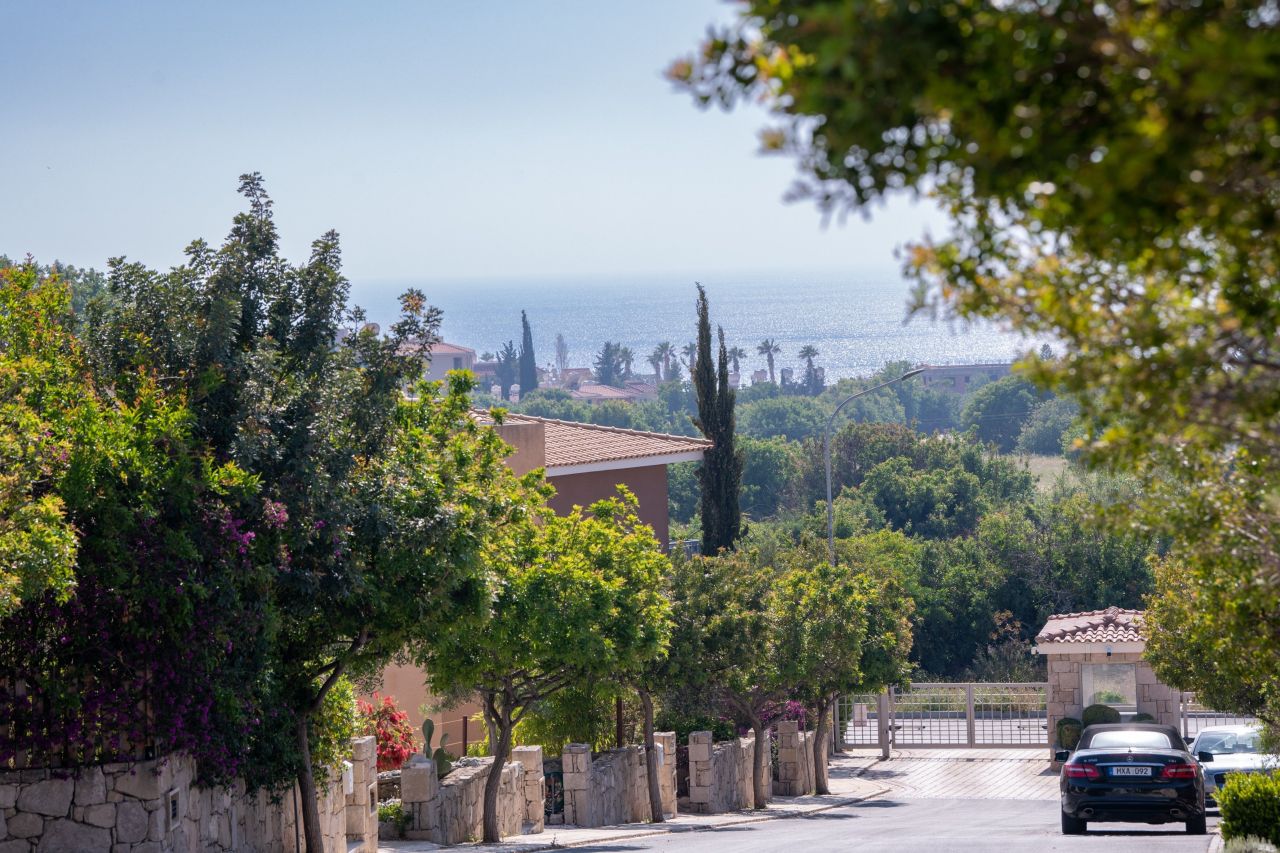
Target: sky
443	141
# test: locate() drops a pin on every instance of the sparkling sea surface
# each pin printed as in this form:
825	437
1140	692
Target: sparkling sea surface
858	322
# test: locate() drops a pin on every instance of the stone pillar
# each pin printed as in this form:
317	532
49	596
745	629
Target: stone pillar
532	786
575	762
362	803
792	766
766	769
665	743
701	778
419	796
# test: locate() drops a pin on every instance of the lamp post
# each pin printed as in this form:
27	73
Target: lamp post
826	451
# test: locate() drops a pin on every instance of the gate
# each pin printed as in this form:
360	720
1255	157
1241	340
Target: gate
1196	716
932	715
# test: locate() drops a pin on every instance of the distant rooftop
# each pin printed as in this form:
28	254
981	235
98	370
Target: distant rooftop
571	446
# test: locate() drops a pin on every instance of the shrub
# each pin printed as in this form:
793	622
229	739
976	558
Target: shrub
682	724
334	726
1096	714
392	812
1143	718
1069	729
390	725
1250	805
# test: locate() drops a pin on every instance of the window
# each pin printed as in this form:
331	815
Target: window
1137	739
457	362
1114	684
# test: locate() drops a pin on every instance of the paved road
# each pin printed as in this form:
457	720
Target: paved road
923	826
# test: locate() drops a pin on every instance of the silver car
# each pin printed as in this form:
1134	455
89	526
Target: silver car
1235	749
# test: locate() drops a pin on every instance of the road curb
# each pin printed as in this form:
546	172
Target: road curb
676	829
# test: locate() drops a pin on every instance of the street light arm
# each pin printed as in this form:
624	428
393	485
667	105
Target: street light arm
826	452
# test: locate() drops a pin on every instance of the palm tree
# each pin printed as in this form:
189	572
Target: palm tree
625	358
769	348
662	353
690	353
735	355
809	352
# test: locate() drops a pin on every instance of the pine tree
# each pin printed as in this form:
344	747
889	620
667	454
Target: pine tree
720	473
528	363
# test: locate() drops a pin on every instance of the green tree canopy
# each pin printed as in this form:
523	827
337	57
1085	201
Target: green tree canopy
570	597
997	411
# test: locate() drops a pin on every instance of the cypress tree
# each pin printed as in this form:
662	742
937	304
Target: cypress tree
528	364
720	473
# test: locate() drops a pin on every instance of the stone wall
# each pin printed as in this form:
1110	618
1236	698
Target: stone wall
451	810
720	773
533	786
1065	696
154	807
666	744
611	788
795	760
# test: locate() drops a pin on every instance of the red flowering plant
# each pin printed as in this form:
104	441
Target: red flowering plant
385	721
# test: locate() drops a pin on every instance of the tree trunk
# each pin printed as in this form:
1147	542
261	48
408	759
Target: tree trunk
307	791
820	734
758	764
651	759
619	734
494	782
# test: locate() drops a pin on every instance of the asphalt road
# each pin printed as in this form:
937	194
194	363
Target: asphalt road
926	826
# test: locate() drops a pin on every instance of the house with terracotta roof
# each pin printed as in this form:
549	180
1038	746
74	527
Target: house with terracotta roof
585	463
1095	658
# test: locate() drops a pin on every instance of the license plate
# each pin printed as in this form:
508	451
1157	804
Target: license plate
1130	771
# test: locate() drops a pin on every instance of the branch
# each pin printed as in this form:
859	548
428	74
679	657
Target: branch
338	666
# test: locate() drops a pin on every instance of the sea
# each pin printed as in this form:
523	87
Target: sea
858	321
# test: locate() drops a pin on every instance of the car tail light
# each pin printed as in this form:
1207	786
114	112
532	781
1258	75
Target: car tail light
1081	771
1180	771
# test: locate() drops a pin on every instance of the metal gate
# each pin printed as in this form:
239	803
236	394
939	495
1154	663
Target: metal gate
932	715
1196	716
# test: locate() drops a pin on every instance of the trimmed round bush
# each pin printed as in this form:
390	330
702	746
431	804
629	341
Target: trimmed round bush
1095	714
1069	729
1250	806
1143	718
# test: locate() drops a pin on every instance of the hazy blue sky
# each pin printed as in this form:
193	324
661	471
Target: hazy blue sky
442	140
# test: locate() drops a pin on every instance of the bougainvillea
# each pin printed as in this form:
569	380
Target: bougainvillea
383	719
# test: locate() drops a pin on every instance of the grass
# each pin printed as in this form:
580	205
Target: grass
1045	469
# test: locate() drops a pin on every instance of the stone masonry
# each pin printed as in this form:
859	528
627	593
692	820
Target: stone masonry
666	744
719	773
154	807
451	810
1065	697
795	760
533	786
611	788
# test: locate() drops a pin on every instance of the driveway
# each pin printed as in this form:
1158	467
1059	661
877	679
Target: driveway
898	825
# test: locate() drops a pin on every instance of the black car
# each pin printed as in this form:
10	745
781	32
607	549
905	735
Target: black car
1132	772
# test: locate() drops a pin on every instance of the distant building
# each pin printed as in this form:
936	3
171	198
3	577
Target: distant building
759	377
446	357
962	378
786	374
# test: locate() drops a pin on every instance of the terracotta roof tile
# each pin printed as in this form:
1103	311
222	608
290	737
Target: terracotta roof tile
1113	625
572	443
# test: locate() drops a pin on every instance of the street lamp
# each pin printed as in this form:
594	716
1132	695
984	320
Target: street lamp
826	451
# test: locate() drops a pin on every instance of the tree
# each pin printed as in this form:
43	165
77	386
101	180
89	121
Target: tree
690	353
795	418
625	359
1034	124
661	361
841	628
1048	422
571	597
998	410
769	348
770	474
507	370
528	362
721	640
736	354
812	382
562	355
354	479
47	398
721	472
608	365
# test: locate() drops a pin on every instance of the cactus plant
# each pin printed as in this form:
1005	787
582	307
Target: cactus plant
438	755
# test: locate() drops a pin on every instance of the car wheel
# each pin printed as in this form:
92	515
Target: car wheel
1073	825
1196	826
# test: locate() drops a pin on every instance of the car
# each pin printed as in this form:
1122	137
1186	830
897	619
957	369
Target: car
1235	749
1134	773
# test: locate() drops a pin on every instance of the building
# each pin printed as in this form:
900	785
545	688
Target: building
1095	657
631	391
585	463
962	378
446	357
